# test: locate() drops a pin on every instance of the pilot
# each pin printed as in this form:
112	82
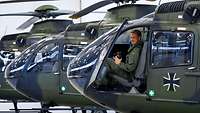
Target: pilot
125	69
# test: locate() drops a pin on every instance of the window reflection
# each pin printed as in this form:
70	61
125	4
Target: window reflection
171	48
20	61
5	58
84	64
46	59
69	52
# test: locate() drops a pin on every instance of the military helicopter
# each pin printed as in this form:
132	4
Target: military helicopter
47	60
16	43
12	45
75	35
168	68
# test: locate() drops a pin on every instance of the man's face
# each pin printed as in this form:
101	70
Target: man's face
134	38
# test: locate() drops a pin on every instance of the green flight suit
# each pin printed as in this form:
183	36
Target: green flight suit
126	69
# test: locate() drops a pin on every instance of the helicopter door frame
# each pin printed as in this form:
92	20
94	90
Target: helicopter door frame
169	84
62	84
105	54
145	30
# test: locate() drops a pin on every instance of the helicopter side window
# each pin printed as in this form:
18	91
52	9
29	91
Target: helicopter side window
46	59
171	48
69	52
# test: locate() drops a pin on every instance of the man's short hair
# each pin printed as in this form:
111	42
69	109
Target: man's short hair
137	32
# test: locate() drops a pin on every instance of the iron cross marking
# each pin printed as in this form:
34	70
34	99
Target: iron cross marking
171	82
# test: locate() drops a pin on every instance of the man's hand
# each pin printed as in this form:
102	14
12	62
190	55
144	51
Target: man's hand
117	60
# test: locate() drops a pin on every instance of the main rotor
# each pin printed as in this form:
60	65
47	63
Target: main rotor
99	5
42	12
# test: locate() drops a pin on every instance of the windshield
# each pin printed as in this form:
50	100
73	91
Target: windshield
83	65
69	52
19	63
46	58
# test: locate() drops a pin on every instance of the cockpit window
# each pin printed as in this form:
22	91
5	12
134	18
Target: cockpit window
69	52
171	48
19	63
46	59
84	64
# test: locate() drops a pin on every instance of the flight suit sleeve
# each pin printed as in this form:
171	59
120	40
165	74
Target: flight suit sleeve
132	60
111	65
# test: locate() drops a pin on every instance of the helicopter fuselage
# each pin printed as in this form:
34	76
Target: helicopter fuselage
168	65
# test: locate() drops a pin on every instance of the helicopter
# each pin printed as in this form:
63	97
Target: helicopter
49	58
18	42
76	34
168	68
12	45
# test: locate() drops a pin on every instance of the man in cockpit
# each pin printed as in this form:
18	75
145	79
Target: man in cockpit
125	70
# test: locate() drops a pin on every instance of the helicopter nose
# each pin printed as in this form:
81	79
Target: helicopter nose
10	77
17	77
23	83
83	70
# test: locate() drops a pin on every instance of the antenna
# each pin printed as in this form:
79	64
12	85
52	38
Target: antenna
5	30
159	2
80	9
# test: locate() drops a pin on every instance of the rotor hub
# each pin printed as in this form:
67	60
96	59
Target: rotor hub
46	8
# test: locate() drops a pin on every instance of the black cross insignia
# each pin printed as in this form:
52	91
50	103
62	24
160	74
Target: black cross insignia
171	82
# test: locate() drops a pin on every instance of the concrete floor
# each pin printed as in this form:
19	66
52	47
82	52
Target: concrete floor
4	108
14	112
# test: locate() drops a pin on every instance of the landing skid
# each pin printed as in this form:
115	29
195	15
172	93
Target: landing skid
74	110
15	106
44	109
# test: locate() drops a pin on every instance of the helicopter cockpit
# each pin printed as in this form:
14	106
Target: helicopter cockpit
90	67
47	57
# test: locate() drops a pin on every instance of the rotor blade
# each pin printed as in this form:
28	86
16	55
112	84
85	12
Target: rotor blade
28	23
20	14
91	8
15	1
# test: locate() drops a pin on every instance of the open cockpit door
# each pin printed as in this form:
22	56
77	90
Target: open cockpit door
92	70
113	78
84	71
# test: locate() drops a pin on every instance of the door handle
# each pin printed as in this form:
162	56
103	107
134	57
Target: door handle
56	73
192	68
